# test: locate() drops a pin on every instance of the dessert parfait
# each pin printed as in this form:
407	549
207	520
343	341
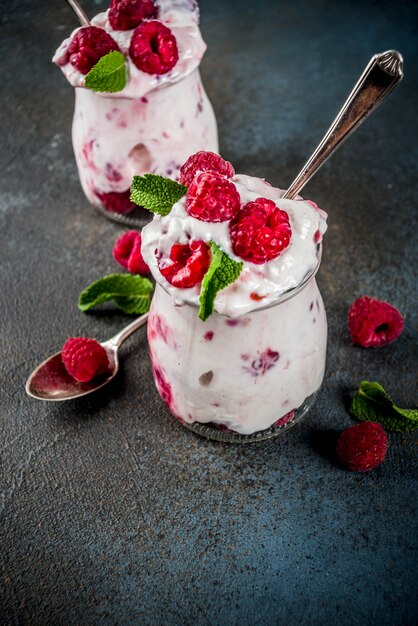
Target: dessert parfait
237	327
150	111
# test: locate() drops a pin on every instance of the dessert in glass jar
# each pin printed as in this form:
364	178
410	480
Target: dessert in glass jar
237	328
162	114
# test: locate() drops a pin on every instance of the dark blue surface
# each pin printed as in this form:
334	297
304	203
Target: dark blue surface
110	512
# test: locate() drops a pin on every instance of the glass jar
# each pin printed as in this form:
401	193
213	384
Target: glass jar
115	138
240	379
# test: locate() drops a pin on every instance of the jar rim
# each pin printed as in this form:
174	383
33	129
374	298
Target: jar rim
286	295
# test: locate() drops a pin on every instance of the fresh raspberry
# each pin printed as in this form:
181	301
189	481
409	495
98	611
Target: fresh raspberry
190	264
362	447
153	48
88	45
212	198
128	14
373	323
116	201
127	252
84	358
260	231
204	162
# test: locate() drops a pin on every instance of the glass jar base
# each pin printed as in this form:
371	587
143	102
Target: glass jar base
211	431
136	219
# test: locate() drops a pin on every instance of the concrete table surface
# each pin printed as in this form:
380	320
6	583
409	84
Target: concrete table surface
112	513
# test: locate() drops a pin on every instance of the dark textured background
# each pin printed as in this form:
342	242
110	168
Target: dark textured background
112	513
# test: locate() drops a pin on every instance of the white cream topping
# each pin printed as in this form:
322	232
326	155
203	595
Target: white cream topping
180	16
268	281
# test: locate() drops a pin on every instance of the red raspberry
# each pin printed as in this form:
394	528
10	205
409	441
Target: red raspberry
127	252
153	48
84	358
373	323
117	201
204	162
190	264
88	45
260	231
362	447
127	14
212	198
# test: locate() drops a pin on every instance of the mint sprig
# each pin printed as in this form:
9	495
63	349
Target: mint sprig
156	193
371	403
222	272
109	73
130	293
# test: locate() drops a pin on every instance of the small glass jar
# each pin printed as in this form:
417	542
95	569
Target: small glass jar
117	138
240	379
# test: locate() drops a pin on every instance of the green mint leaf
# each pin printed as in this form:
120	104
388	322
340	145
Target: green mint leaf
371	403
155	193
109	73
222	272
130	293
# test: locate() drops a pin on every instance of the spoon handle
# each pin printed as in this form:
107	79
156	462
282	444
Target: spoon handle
126	332
381	75
84	20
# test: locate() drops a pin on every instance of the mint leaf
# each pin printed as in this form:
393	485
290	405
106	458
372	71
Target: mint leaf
155	193
109	73
371	403
222	272
130	293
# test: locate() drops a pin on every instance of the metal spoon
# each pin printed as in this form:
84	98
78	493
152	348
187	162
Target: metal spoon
84	20
383	72
50	380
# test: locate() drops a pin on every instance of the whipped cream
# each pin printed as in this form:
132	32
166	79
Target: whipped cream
258	285
181	16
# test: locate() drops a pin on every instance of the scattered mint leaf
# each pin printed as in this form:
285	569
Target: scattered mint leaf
130	293
371	403
155	193
109	73
222	272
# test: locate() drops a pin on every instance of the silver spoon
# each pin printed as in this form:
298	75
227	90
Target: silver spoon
50	380
84	20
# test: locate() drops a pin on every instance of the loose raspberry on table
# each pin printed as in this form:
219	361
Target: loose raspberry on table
88	45
260	231
190	264
153	48
204	162
127	252
362	446
128	14
84	358
212	198
373	323
116	201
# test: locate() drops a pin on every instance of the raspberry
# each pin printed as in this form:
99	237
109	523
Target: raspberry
84	358
260	231
127	252
88	45
362	447
127	14
373	323
212	198
153	48
204	162
116	201
190	264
